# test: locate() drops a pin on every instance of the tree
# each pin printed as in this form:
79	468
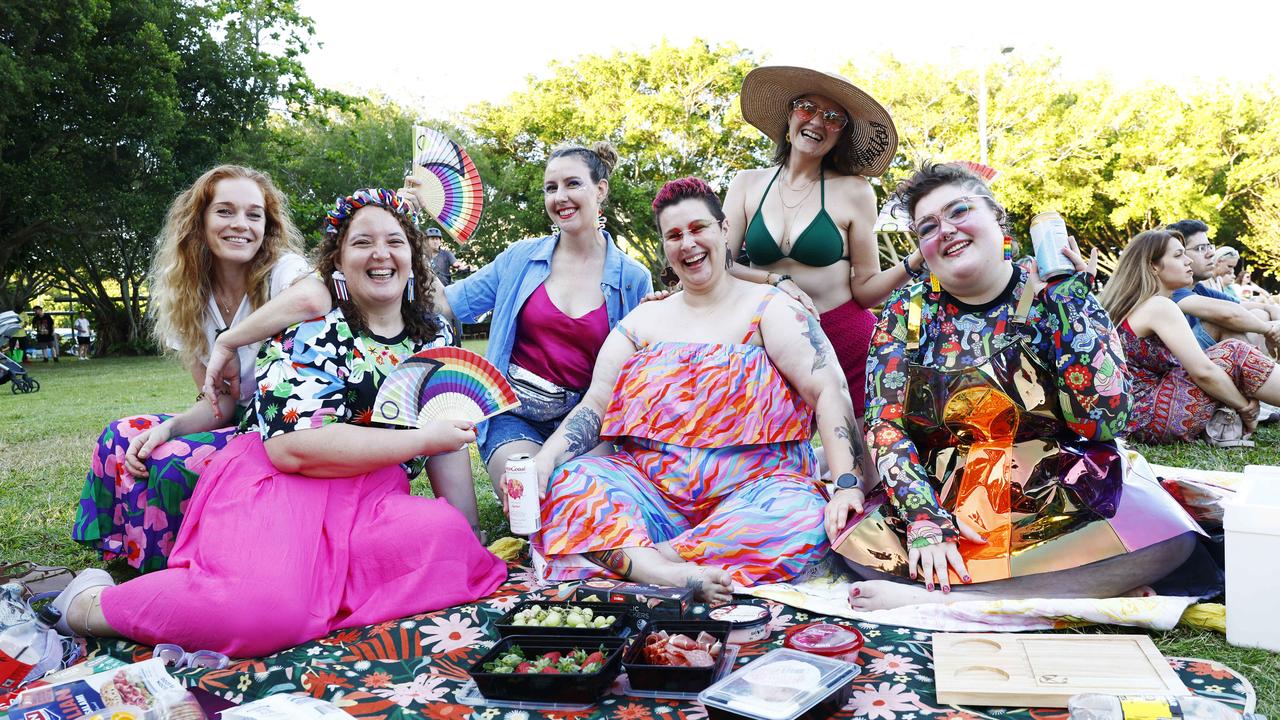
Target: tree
114	107
670	112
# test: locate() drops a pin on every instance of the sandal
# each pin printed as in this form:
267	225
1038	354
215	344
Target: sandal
36	578
1226	430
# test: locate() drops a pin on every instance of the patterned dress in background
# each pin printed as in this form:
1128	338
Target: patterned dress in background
1167	405
1003	415
714	458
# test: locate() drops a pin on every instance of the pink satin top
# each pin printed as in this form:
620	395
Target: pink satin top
557	347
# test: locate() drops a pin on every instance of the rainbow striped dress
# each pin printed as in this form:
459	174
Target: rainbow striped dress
713	458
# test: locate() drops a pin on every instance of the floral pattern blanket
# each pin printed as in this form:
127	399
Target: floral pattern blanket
417	667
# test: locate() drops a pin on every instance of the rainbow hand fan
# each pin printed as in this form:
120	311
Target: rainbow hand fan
451	187
445	383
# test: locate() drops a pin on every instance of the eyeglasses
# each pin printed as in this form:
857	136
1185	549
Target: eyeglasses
177	658
953	212
833	120
1203	247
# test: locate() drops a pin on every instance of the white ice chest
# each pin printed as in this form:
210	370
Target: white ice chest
1252	526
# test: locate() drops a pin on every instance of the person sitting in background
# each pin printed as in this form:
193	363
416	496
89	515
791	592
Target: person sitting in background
711	395
1177	385
1214	315
304	524
227	245
994	401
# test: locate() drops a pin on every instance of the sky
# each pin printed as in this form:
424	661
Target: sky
440	57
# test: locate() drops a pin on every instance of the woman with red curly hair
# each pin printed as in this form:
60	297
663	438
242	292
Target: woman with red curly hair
710	396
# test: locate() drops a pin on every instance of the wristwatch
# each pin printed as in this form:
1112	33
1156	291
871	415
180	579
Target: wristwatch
847	481
781	279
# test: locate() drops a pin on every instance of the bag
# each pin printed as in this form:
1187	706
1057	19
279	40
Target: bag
1226	430
540	399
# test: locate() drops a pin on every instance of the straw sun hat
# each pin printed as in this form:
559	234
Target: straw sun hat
767	93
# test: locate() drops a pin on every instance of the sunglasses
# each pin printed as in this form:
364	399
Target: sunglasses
953	212
833	120
177	658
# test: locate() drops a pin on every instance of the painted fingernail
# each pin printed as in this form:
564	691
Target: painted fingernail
913	574
929	587
966	578
946	589
855	592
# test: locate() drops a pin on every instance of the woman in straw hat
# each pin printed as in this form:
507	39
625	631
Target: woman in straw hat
805	225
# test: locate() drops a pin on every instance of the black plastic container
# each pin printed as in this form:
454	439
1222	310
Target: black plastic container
624	621
552	688
669	678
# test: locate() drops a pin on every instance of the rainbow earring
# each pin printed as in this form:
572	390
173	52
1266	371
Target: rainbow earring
340	285
1008	248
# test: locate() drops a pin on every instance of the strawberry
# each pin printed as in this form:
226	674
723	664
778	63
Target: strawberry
550	670
552	657
595	657
525	667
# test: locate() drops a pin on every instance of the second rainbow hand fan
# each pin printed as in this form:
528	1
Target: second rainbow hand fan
451	187
445	383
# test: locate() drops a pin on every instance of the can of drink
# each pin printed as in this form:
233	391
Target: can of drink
523	509
1048	240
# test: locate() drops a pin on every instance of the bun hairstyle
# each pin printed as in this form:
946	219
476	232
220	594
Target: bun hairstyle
601	158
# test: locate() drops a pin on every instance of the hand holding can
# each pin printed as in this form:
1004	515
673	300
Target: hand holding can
523	507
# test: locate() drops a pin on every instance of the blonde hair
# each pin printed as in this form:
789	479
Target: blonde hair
1135	280
182	270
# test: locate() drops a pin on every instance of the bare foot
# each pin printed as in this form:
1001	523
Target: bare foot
1140	591
886	595
709	584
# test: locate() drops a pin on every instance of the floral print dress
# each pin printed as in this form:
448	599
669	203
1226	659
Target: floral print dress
1002	414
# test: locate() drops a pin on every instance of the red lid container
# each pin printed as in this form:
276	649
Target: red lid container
834	641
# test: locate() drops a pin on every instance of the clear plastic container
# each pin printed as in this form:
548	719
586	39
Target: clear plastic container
1098	706
782	685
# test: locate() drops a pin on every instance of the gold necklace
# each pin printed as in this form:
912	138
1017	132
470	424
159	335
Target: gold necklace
783	197
226	308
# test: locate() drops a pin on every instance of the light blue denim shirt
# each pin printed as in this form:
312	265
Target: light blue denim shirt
505	284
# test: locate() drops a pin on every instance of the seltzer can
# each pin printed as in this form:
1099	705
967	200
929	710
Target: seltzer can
1048	240
523	508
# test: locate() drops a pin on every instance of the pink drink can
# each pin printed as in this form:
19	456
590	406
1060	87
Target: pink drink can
1048	240
523	509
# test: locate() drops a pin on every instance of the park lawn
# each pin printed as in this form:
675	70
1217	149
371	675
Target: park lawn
46	440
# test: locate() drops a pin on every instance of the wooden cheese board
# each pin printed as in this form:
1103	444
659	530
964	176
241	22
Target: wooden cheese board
1043	670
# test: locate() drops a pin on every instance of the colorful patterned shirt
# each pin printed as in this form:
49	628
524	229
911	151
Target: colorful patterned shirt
1067	328
318	372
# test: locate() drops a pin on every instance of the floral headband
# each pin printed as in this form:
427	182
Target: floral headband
345	207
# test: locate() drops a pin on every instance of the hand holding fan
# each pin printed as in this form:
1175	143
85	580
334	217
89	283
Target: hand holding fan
445	383
451	189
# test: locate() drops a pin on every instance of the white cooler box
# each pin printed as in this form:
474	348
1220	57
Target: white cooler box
1252	527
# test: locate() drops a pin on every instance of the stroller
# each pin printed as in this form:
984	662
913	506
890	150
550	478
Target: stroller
10	370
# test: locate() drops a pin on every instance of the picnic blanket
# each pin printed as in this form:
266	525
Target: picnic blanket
415	667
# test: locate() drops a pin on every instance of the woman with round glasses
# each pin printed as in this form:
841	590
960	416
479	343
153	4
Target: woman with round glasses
993	404
805	225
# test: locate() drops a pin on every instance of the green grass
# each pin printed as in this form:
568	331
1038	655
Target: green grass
46	440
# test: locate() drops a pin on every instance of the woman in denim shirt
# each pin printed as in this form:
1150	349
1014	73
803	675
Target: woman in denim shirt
554	299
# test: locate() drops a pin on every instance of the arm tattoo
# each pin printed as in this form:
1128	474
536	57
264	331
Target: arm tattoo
817	340
856	446
616	561
581	432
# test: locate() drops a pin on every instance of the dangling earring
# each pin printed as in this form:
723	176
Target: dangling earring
934	285
668	276
728	257
340	285
555	233
408	289
600	220
1008	248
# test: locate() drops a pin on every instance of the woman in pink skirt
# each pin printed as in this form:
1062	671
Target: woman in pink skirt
305	525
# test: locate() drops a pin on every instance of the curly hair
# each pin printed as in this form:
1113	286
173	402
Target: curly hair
182	269
420	315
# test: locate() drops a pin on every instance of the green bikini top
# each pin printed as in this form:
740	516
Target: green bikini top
821	244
